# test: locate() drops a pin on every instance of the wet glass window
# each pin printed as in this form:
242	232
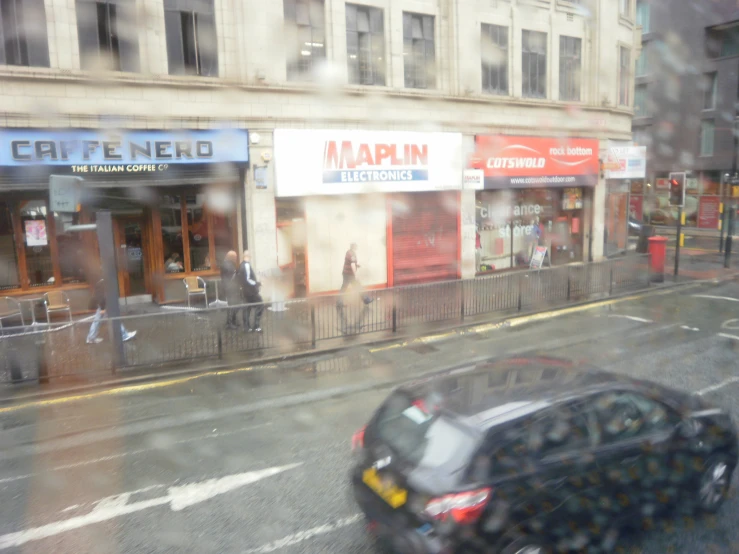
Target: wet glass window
365	45
534	64
570	68
107	34
494	49
562	430
170	209
626	415
192	48
24	33
305	37
35	227
419	51
9	274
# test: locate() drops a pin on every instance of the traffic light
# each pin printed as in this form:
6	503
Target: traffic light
677	189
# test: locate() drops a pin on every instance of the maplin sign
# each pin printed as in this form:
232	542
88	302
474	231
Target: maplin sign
83	148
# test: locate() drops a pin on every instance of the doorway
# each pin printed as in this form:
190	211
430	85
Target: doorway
132	270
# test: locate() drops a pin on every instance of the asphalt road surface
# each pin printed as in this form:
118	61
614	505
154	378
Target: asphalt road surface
256	460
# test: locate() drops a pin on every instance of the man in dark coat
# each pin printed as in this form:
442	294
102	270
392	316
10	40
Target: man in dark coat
230	286
247	277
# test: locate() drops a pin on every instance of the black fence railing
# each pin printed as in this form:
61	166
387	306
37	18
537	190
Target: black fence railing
183	335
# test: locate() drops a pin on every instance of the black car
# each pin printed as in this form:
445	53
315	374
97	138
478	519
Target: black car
535	455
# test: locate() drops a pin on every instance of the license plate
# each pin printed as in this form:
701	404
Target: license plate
389	492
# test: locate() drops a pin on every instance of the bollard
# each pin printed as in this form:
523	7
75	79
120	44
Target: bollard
41	362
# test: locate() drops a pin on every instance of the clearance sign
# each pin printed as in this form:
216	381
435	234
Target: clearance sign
327	162
530	162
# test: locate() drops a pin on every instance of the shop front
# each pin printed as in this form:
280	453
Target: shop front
394	194
535	191
173	195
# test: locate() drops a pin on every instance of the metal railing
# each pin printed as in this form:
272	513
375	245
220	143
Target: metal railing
288	327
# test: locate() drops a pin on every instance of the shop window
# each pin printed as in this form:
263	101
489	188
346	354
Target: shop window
570	67
107	34
9	275
419	52
192	48
24	33
198	233
34	222
365	45
624	76
534	64
73	258
494	49
305	37
224	232
170	210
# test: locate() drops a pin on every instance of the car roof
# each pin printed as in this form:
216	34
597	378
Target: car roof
500	390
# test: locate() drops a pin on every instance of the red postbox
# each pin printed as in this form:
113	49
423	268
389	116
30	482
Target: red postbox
658	253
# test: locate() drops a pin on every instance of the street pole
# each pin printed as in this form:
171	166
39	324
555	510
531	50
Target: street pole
679	237
108	255
729	237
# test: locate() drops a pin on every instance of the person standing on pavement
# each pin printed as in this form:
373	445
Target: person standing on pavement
98	299
230	286
247	278
349	272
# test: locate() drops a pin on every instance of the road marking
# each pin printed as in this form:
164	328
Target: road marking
720	385
728	336
632	318
302	536
178	498
126	389
711	297
730	324
688	328
130	453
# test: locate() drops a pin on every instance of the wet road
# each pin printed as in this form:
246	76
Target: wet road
256	461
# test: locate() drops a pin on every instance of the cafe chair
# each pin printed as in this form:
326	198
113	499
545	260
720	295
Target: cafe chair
56	301
10	307
195	286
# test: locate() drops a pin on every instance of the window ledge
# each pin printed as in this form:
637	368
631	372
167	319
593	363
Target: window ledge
626	21
538	3
573	8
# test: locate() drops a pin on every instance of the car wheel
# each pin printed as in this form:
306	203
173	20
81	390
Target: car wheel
526	545
714	483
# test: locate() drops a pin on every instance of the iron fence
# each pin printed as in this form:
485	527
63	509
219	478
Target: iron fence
183	334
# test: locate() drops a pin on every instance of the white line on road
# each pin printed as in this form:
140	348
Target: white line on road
728	336
178	498
687	328
302	536
632	318
729	298
720	385
131	453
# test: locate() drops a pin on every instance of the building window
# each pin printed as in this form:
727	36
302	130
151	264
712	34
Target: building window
9	273
107	35
305	37
642	64
35	226
642	15
494	50
624	8
24	34
624	76
707	131
419	50
534	64
640	101
711	91
192	48
570	67
365	45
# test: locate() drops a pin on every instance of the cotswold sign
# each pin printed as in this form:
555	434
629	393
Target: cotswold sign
100	151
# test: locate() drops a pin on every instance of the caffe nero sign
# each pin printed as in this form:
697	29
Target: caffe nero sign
97	151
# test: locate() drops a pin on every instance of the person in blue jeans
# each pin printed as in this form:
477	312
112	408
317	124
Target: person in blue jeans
98	300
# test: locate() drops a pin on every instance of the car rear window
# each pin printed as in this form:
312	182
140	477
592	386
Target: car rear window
422	436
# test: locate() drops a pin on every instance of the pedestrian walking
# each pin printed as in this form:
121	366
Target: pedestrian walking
349	272
98	299
250	286
230	287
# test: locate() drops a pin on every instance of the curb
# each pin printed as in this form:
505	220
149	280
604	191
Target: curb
396	341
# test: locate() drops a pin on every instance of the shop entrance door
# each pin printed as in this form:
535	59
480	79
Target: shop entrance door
129	238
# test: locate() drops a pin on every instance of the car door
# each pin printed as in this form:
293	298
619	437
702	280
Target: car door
635	455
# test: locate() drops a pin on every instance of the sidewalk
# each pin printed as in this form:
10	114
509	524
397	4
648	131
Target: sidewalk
700	264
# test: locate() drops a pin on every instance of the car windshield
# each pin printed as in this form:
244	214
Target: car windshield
421	436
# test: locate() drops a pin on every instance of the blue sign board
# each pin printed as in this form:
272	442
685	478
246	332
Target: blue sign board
91	151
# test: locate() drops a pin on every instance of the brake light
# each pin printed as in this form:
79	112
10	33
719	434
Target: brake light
464	508
358	439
